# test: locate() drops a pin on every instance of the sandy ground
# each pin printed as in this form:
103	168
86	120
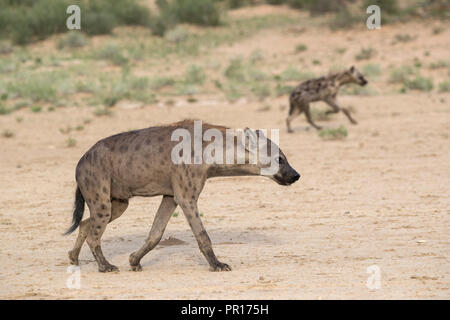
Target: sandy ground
380	197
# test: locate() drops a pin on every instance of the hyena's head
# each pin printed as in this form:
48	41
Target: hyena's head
356	76
271	161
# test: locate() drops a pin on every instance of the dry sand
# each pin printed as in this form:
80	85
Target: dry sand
380	197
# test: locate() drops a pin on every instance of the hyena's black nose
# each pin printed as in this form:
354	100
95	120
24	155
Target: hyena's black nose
296	177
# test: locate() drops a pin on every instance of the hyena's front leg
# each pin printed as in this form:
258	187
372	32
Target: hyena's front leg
162	217
333	104
118	207
204	242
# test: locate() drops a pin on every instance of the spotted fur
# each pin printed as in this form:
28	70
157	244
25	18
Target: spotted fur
138	163
322	89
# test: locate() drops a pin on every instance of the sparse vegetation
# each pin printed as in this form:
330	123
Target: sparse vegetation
333	134
419	83
100	112
343	19
292	74
404	38
72	40
439	64
365	54
371	70
71	142
195	75
26	21
444	86
36	109
401	74
113	53
301	47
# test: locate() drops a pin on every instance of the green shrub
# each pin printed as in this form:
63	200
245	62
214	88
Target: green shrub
201	12
235	70
323	6
261	90
301	47
419	83
365	54
25	21
113	53
333	134
439	64
38	87
94	23
343	19
5	47
177	35
444	86
401	74
72	40
276	2
4	109
195	75
387	6
404	38
161	82
36	109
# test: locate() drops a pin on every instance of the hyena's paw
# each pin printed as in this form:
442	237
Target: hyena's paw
73	258
134	263
220	267
136	268
108	268
354	122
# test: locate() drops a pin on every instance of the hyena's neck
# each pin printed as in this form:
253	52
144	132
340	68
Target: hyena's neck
230	170
341	78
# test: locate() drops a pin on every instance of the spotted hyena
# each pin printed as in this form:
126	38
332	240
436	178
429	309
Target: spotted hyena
322	89
140	163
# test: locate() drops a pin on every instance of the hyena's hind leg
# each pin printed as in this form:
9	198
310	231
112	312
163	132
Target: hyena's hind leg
100	214
294	111
162	217
118	207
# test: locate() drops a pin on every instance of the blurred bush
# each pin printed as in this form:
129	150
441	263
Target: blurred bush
26	20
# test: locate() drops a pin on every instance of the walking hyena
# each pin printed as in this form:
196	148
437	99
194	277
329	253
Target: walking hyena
322	89
139	163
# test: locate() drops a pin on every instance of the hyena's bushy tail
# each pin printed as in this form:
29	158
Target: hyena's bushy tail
77	212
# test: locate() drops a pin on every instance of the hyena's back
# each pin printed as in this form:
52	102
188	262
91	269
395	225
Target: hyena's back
134	163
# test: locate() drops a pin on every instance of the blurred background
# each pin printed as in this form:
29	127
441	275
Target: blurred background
149	52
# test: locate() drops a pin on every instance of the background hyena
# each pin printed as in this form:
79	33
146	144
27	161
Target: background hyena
138	163
322	89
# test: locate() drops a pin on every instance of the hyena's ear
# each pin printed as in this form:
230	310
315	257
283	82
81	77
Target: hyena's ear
352	68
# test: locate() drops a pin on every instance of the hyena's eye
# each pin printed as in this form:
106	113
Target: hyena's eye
280	160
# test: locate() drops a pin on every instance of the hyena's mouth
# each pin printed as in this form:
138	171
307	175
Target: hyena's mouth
284	182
